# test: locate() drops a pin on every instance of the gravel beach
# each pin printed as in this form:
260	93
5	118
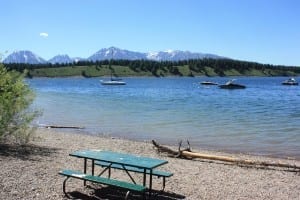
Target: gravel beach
31	172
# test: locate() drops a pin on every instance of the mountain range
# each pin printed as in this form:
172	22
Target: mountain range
24	57
106	54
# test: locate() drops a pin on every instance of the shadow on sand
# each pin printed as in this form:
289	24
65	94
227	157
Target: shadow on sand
112	193
25	152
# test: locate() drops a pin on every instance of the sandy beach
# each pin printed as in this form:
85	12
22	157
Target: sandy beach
32	172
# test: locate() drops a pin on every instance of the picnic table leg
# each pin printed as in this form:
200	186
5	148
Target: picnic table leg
64	186
144	179
125	169
107	168
150	183
84	170
93	167
109	172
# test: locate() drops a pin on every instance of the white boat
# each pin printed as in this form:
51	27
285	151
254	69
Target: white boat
112	81
290	81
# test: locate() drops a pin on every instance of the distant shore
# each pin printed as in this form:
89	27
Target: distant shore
33	174
125	68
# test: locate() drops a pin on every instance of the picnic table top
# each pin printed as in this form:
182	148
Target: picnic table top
120	158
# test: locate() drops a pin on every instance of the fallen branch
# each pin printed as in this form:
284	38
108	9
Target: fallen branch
187	154
57	126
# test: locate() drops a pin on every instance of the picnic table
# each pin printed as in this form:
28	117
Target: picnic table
122	161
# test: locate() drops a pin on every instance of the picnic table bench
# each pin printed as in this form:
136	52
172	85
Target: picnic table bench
98	179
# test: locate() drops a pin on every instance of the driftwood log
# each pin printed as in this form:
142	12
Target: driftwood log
188	154
58	126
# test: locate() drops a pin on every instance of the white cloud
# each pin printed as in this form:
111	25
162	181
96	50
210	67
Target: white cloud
44	35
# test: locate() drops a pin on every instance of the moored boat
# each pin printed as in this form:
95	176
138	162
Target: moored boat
113	82
231	85
208	83
290	81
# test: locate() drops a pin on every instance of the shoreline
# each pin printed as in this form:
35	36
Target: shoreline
33	174
208	148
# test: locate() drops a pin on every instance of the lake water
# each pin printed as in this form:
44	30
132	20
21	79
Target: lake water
262	119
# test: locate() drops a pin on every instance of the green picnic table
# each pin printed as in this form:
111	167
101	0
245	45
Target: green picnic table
127	162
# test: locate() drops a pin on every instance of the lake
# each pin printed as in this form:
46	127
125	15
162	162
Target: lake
263	119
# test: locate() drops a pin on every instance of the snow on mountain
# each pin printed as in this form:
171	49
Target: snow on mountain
77	59
175	55
24	57
109	53
61	59
169	55
116	53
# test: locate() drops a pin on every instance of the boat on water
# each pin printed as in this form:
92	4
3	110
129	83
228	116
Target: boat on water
208	83
113	82
231	85
290	81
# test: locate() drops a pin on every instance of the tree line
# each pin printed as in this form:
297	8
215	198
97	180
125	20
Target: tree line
219	66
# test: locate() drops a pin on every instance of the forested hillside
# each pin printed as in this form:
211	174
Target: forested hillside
197	67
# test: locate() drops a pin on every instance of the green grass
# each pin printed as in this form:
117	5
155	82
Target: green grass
184	70
208	71
126	71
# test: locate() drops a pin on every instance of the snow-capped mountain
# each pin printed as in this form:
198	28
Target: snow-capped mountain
175	55
77	59
61	59
24	57
116	53
170	55
108	53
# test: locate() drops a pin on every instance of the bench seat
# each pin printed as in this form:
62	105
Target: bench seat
101	180
157	173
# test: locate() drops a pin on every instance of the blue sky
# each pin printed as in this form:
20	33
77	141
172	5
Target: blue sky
265	31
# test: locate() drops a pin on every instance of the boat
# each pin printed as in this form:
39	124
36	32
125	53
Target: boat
112	81
231	85
290	81
208	83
